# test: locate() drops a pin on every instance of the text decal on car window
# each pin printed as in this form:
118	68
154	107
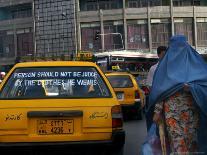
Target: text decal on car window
55	78
54	74
58	82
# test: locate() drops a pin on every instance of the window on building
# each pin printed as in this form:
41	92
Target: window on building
113	41
137	33
91	7
94	5
186	2
184	26
202	32
144	3
110	4
197	3
25	42
155	2
16	11
7	44
132	4
21	11
88	34
161	32
177	3
137	3
88	5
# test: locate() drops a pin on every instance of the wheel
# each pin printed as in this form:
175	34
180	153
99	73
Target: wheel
138	114
118	151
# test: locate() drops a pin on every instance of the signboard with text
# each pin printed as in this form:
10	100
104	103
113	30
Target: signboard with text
84	56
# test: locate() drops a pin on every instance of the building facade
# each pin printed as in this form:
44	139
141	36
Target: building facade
143	24
16	30
54	28
61	28
31	29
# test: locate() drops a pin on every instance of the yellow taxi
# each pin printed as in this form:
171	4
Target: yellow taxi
60	104
128	93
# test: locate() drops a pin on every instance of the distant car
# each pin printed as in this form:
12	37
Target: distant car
67	104
128	92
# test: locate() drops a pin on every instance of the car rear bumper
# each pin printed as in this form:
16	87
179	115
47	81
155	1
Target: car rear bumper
136	105
117	140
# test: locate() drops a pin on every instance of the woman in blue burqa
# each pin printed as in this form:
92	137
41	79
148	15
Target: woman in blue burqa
179	96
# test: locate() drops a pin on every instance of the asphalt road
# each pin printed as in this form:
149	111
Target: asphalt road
135	135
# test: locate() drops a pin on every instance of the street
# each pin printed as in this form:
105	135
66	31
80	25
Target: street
76	77
135	135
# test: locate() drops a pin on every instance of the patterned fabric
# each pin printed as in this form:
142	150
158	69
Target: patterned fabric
181	120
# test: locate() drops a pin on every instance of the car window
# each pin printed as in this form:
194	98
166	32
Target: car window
59	82
120	81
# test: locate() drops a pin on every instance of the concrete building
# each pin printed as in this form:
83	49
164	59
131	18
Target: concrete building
16	30
32	29
60	28
55	28
143	24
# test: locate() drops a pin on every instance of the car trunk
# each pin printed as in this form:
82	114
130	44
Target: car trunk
49	120
125	95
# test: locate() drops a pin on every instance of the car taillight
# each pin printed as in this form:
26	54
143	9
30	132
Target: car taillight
117	118
146	90
137	96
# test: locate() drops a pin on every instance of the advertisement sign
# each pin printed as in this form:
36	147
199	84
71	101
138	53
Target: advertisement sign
84	55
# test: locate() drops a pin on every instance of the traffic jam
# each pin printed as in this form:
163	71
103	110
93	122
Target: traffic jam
67	105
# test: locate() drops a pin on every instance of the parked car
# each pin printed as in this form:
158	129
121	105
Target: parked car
128	93
67	104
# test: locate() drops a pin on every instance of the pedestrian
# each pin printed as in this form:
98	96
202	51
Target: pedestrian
160	53
2	75
179	94
149	115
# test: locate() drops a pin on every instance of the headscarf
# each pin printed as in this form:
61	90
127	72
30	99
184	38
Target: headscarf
181	65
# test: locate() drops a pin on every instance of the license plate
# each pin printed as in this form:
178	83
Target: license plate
54	126
120	96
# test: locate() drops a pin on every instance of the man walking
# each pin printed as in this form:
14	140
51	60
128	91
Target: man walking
160	52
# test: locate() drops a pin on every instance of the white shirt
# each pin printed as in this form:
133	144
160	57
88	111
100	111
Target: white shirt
151	74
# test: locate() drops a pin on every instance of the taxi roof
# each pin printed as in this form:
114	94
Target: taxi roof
118	73
54	63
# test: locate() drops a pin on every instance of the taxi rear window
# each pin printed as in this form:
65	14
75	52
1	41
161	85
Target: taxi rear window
58	82
120	81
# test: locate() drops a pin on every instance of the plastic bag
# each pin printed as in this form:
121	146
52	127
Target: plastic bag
152	144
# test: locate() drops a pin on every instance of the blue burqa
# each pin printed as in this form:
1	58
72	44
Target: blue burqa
182	64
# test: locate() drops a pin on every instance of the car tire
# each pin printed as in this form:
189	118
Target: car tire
139	115
118	151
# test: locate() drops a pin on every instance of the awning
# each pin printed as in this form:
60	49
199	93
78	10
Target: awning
126	54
